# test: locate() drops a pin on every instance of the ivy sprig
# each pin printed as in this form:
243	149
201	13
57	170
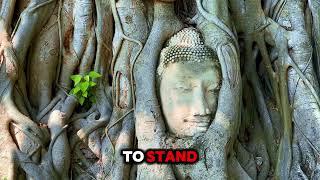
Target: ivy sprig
83	86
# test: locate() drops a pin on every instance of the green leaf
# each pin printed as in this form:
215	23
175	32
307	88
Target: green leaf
76	78
81	100
75	90
84	86
92	84
85	94
94	74
87	77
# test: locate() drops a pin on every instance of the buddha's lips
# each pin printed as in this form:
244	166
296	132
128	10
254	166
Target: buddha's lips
199	120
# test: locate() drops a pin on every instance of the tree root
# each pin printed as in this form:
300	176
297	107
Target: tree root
226	122
85	131
49	107
149	124
214	19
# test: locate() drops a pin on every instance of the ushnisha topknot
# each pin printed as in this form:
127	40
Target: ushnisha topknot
185	46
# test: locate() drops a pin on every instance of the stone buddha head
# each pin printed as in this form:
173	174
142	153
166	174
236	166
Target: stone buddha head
188	80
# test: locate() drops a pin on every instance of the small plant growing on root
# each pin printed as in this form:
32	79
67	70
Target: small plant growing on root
83	86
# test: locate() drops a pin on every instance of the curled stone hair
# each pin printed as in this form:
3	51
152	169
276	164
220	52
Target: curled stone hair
185	46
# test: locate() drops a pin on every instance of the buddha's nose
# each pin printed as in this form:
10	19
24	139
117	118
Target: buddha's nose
200	105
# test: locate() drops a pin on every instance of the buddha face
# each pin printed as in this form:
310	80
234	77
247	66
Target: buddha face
189	93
